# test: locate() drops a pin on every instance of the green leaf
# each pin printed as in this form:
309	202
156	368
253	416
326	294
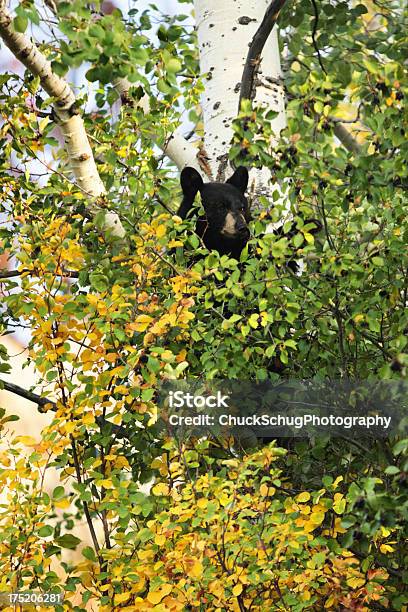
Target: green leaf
173	65
298	240
20	23
392	469
68	541
58	493
45	531
400	446
89	553
370	64
360	9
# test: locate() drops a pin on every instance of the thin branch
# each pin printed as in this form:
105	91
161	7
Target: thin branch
91	527
315	24
356	443
10	273
256	47
13	273
28	395
41	402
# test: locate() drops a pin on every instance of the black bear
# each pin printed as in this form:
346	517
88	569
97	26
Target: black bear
224	227
225	224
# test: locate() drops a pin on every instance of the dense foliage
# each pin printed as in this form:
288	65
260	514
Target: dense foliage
324	525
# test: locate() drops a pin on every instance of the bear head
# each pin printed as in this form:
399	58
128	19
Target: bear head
225	225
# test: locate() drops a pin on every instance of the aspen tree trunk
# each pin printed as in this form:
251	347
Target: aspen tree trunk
72	126
225	30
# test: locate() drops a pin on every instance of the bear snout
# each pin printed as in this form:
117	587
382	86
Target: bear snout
234	225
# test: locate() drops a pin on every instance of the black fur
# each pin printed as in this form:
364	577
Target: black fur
221	199
225	224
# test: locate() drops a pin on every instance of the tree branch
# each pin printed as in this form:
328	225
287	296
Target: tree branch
316	21
71	123
41	402
347	139
13	273
9	273
28	395
255	49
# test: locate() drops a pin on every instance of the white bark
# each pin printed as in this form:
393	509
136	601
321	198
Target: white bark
76	140
181	152
346	138
225	29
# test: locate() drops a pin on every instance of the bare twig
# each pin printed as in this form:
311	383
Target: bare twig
315	24
256	47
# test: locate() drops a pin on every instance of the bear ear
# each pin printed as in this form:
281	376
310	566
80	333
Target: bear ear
239	179
190	181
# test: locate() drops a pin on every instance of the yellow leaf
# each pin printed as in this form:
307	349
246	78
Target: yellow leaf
316	518
386	548
263	489
121	597
37	146
142	323
356	582
181	356
216	588
253	320
106	483
224	499
161	231
196	570
237	590
337	481
303	497
339	504
62	503
306	595
88	418
105	587
155	597
43	123
330	601
27	440
160	489
70	427
160	540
